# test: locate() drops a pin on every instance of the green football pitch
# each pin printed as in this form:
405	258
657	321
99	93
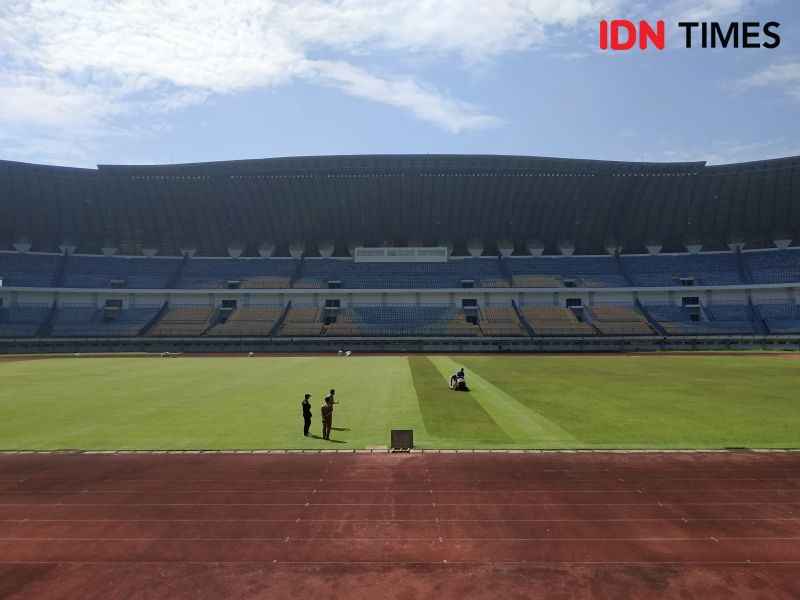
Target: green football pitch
569	401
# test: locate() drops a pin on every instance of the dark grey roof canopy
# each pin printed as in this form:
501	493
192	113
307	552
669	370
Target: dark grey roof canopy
396	198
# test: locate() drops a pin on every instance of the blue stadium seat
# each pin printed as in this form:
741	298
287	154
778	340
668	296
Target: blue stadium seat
217	272
774	266
22	321
589	271
316	273
29	270
718	268
133	272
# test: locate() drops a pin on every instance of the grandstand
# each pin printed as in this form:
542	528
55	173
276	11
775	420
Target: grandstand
464	251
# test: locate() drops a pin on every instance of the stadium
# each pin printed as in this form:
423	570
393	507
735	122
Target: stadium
467	253
159	325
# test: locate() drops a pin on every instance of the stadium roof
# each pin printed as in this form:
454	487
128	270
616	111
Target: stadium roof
397	199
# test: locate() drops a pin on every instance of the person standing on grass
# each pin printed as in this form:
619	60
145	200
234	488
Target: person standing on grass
327	418
327	414
306	414
330	397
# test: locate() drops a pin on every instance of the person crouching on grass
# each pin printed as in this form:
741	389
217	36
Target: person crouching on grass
327	414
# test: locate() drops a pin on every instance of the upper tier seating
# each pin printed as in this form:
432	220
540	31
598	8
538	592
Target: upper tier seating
84	271
29	270
620	320
553	320
316	273
252	273
135	272
669	269
22	321
773	266
551	271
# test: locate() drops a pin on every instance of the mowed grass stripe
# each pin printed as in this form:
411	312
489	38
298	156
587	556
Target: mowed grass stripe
523	425
451	418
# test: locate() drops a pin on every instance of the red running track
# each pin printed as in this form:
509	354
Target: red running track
414	526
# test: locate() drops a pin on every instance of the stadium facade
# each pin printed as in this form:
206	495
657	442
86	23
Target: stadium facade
416	252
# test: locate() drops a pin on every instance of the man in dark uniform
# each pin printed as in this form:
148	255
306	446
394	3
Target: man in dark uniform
306	414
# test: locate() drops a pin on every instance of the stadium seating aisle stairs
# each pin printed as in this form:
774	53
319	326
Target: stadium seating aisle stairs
503	268
525	324
279	323
61	273
755	317
650	319
46	327
176	276
741	266
294	277
623	270
156	318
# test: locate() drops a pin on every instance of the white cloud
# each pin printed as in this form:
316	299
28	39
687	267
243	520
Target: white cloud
707	10
72	68
785	76
730	151
424	102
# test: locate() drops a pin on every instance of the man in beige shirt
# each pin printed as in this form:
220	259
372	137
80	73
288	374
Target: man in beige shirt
327	414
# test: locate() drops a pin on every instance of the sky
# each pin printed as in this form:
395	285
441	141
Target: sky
173	81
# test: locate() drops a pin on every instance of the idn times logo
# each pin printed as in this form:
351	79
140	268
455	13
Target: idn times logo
621	34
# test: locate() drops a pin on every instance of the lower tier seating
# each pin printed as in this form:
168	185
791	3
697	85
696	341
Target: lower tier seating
251	321
501	321
553	320
22	321
183	321
620	320
302	322
402	321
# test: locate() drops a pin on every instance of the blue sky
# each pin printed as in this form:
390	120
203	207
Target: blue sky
138	81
